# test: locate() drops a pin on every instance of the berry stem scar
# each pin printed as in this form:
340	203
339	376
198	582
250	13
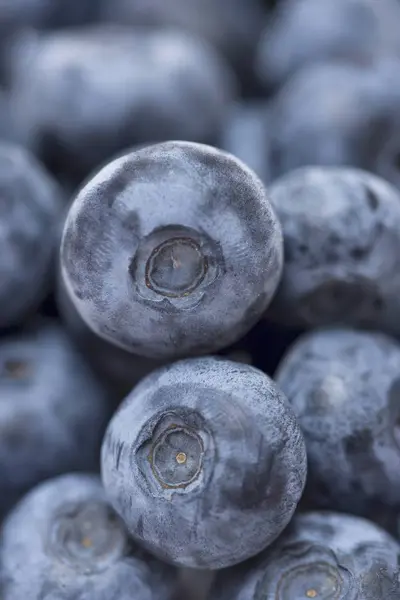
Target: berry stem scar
181	458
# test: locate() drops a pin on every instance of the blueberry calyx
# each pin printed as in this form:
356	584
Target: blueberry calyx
87	536
177	457
175	264
311	570
176	267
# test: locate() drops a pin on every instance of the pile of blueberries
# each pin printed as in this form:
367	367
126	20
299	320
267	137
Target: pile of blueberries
199	300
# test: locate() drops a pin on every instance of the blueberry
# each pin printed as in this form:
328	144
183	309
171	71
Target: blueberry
232	26
342	238
172	250
245	135
119	369
84	94
30	209
53	412
302	32
330	114
344	388
321	555
205	462
64	542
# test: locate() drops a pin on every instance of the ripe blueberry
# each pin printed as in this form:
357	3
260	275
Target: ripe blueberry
205	462
344	388
303	32
64	542
53	412
331	114
321	555
172	250
30	210
341	230
85	94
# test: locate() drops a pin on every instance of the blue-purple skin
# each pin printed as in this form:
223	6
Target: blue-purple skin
63	541
344	387
172	250
86	93
330	114
322	555
205	462
303	32
231	26
119	369
245	135
341	229
30	205
53	412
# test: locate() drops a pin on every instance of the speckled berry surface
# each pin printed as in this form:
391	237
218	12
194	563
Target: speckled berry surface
204	462
342	237
63	541
344	387
119	369
172	250
323	555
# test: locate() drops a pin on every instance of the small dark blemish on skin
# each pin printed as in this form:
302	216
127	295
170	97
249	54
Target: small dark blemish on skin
131	222
114	186
372	199
139	526
358	253
118	455
16	369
